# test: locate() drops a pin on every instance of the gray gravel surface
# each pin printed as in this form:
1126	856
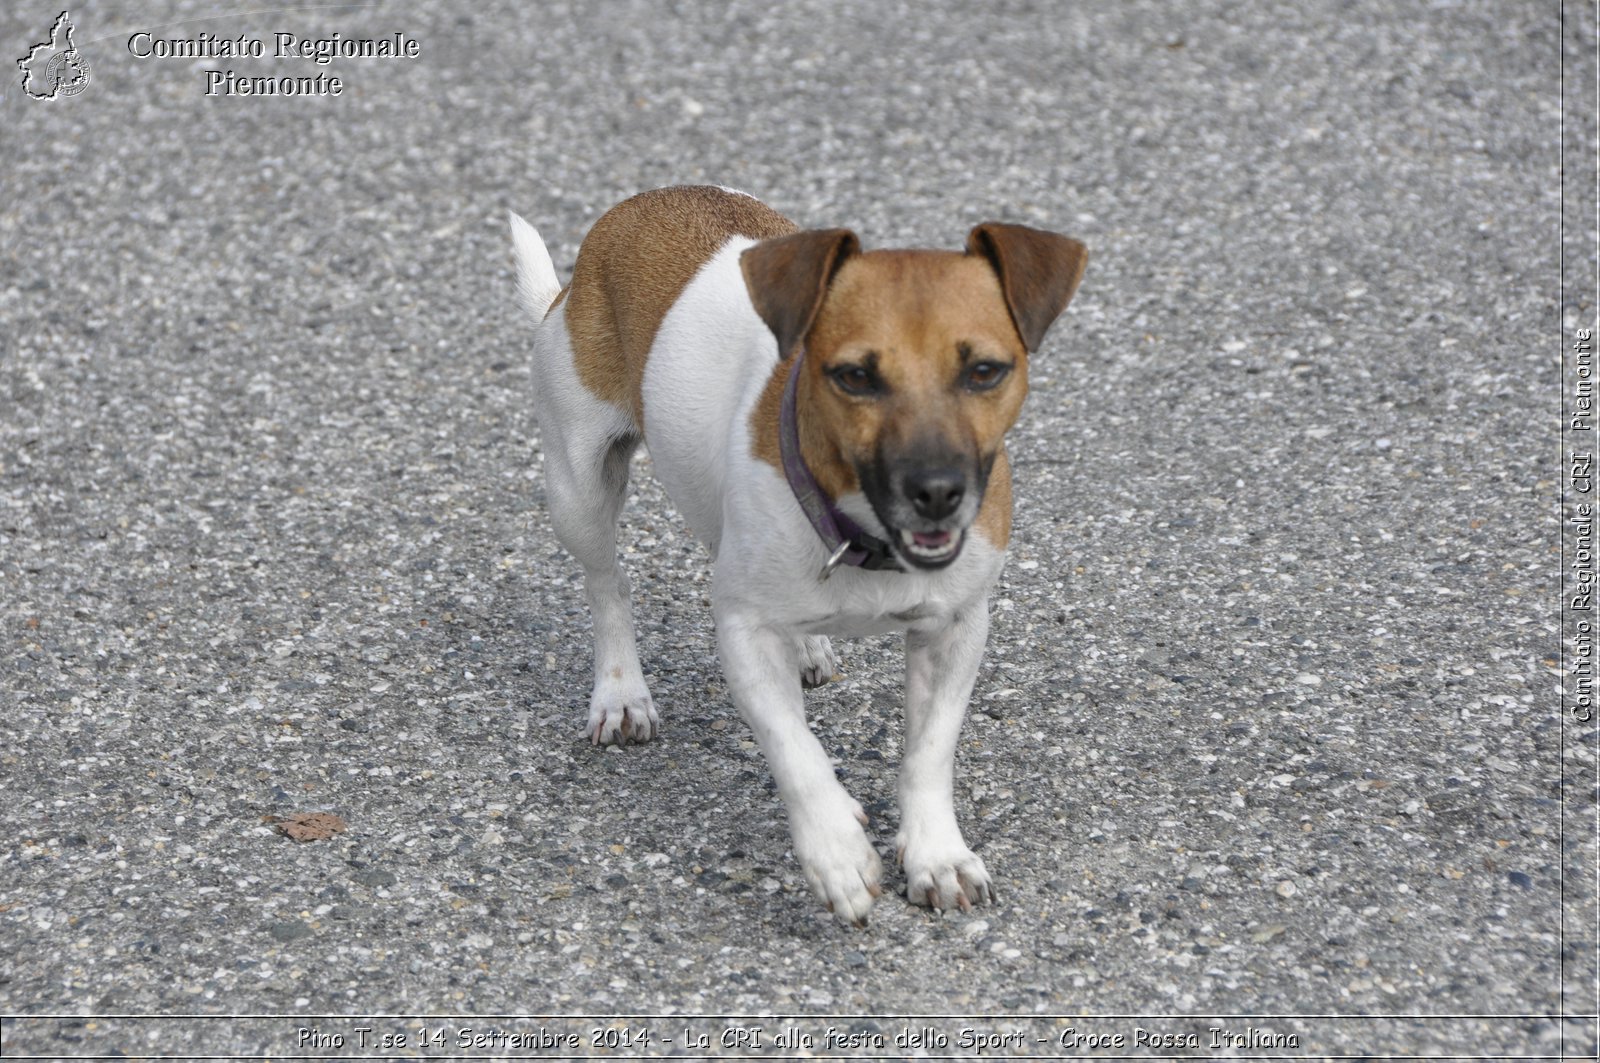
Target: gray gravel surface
1268	723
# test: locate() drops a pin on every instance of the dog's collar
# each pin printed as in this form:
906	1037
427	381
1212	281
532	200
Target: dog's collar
846	542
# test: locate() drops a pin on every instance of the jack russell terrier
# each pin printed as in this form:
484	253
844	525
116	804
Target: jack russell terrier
831	423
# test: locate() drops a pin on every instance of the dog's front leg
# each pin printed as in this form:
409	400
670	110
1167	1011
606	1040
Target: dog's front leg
762	670
941	872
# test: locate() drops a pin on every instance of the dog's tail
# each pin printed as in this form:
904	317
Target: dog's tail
537	285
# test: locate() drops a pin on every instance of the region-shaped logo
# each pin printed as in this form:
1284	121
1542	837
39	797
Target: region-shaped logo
55	67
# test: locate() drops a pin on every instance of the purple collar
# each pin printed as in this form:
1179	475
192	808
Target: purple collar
846	542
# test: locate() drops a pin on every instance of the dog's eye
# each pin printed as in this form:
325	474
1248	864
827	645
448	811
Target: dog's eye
981	376
856	380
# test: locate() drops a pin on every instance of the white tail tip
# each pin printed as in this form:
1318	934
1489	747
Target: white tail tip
537	285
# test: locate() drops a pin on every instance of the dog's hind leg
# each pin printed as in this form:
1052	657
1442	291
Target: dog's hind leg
817	662
588	442
587	482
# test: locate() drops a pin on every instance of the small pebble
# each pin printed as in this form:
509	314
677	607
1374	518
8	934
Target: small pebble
292	930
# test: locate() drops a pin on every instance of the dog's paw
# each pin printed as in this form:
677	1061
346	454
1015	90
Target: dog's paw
817	662
841	865
619	717
945	876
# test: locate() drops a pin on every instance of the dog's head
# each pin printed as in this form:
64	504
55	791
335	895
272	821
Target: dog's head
916	364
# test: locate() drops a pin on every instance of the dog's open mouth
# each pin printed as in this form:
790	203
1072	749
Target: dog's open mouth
931	548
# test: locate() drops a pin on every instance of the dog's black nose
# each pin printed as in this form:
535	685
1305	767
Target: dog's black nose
935	493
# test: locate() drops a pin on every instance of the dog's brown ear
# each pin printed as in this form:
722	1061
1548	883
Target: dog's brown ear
1038	272
787	278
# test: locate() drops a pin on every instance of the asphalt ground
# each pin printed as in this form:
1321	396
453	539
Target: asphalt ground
1269	723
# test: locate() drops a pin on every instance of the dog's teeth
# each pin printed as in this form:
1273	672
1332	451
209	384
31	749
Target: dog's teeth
909	541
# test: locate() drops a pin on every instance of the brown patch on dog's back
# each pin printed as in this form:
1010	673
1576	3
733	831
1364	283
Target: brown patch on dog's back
633	266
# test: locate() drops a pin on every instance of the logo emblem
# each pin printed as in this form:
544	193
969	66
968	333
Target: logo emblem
55	67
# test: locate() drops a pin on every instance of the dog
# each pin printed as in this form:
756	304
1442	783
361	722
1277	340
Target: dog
831	423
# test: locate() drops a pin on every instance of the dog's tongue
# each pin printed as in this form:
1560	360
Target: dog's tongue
930	540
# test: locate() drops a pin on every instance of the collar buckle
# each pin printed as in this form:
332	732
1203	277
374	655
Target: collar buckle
833	562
